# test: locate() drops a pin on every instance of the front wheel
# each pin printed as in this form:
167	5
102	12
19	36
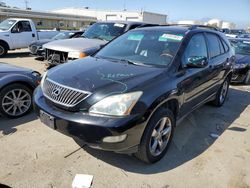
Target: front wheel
157	136
15	100
222	94
3	49
247	80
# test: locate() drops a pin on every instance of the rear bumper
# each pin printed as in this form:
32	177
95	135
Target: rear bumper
93	129
239	75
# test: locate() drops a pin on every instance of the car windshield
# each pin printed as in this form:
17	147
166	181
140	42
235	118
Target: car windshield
241	47
7	24
104	31
143	47
64	35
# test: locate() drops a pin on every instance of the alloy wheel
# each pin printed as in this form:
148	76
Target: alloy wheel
16	102
160	136
223	92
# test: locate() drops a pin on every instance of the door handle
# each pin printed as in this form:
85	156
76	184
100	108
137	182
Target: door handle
33	35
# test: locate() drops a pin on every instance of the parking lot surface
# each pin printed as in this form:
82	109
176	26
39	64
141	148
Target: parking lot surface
211	148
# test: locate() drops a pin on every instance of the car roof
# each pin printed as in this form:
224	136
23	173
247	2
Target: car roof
179	28
123	22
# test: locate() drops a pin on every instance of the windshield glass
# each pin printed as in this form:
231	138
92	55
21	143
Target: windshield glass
241	47
65	35
7	24
104	31
155	48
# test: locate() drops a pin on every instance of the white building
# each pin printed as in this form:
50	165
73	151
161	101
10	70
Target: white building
213	22
191	22
103	15
228	25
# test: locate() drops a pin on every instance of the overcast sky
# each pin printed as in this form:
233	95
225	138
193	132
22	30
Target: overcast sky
237	11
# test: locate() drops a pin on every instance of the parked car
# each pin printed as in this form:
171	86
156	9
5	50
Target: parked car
235	33
246	36
16	89
36	48
96	36
128	97
242	64
19	33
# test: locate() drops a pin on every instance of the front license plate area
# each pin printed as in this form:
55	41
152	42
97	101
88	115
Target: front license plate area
47	119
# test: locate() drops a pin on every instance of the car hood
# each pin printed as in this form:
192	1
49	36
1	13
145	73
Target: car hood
242	59
6	68
98	75
41	42
76	44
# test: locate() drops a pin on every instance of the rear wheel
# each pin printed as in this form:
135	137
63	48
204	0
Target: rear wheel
247	80
222	94
15	100
3	49
157	136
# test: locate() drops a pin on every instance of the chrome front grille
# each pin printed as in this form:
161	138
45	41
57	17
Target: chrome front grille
63	95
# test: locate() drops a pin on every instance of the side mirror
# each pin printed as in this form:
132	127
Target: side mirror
197	62
14	30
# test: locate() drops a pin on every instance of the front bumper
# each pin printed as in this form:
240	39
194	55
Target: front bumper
92	129
239	75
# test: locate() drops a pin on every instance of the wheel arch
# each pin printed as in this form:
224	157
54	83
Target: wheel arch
6	43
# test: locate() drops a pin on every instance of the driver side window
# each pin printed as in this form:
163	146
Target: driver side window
196	47
21	26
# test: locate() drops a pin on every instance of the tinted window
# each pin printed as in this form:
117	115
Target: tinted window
214	45
25	26
196	47
222	50
225	46
22	26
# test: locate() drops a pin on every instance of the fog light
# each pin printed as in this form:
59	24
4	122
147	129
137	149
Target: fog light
114	139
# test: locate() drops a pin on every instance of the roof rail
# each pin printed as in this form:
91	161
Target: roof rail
193	26
203	26
148	25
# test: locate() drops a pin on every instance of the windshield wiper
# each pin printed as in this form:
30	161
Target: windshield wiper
133	62
96	37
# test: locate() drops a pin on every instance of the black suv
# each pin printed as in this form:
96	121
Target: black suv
129	96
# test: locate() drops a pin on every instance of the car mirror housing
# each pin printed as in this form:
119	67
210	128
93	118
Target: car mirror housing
197	62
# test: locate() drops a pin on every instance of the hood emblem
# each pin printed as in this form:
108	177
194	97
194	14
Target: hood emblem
56	92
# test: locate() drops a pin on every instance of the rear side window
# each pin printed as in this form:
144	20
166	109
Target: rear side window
196	47
225	45
214	45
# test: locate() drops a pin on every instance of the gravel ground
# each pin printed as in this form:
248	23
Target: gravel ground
32	155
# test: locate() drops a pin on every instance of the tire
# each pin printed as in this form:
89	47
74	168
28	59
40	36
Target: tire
247	80
221	94
15	100
146	151
3	49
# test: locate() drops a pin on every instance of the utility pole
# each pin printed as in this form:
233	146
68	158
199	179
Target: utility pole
124	5
26	4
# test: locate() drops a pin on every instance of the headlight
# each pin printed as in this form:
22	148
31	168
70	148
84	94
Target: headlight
77	55
43	78
36	74
116	105
240	66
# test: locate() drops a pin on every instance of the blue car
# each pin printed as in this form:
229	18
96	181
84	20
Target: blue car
16	88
